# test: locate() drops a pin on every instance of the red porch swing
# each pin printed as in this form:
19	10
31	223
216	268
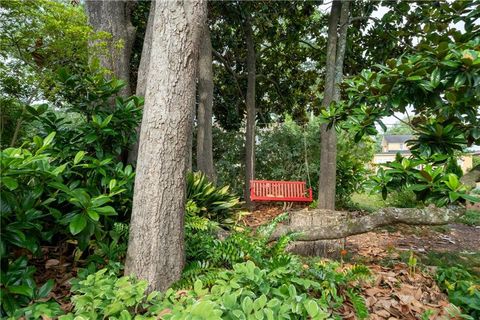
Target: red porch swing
287	191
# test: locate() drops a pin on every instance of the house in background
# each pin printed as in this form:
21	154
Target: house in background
393	144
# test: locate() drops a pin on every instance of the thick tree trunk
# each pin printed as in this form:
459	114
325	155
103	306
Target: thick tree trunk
142	78
205	104
156	244
114	17
328	155
251	111
321	224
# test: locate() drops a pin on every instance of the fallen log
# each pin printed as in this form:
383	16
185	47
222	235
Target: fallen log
321	224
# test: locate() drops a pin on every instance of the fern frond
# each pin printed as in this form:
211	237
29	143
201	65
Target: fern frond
358	303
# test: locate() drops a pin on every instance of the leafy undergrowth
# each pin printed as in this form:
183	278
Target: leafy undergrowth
320	291
471	218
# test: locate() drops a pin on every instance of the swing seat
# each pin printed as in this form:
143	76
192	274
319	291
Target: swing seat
288	191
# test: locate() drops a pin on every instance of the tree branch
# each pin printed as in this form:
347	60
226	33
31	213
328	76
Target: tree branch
403	121
229	69
309	44
353	19
275	84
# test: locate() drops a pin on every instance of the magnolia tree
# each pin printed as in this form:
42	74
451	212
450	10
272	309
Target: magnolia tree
441	82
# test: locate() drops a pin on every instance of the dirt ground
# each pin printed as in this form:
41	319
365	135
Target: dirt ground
398	291
421	240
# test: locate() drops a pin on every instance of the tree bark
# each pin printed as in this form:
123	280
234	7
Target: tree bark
156	244
205	104
341	48
321	224
328	155
145	58
251	110
114	17
142	78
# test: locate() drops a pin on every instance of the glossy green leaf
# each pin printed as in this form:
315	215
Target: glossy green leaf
45	289
78	223
78	157
9	182
48	139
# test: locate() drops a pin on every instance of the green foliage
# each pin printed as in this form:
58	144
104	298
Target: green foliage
111	248
439	79
280	155
40	197
67	180
103	294
471	218
206	262
431	184
206	254
448	68
463	289
38	39
245	292
18	287
211	201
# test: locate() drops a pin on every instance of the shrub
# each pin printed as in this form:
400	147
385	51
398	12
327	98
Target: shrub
430	183
246	292
463	289
68	179
18	286
211	202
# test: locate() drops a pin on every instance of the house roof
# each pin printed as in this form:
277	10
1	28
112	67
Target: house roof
394	152
397	138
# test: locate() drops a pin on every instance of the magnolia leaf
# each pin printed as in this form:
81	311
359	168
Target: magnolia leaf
78	157
48	139
78	223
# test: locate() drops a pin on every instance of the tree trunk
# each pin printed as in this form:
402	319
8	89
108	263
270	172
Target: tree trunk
156	244
145	58
328	155
341	47
142	78
251	111
321	224
114	17
205	104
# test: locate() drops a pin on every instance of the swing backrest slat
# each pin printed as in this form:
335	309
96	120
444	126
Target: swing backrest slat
287	191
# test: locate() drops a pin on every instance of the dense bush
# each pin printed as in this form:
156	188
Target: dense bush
211	201
67	179
283	153
430	183
245	292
